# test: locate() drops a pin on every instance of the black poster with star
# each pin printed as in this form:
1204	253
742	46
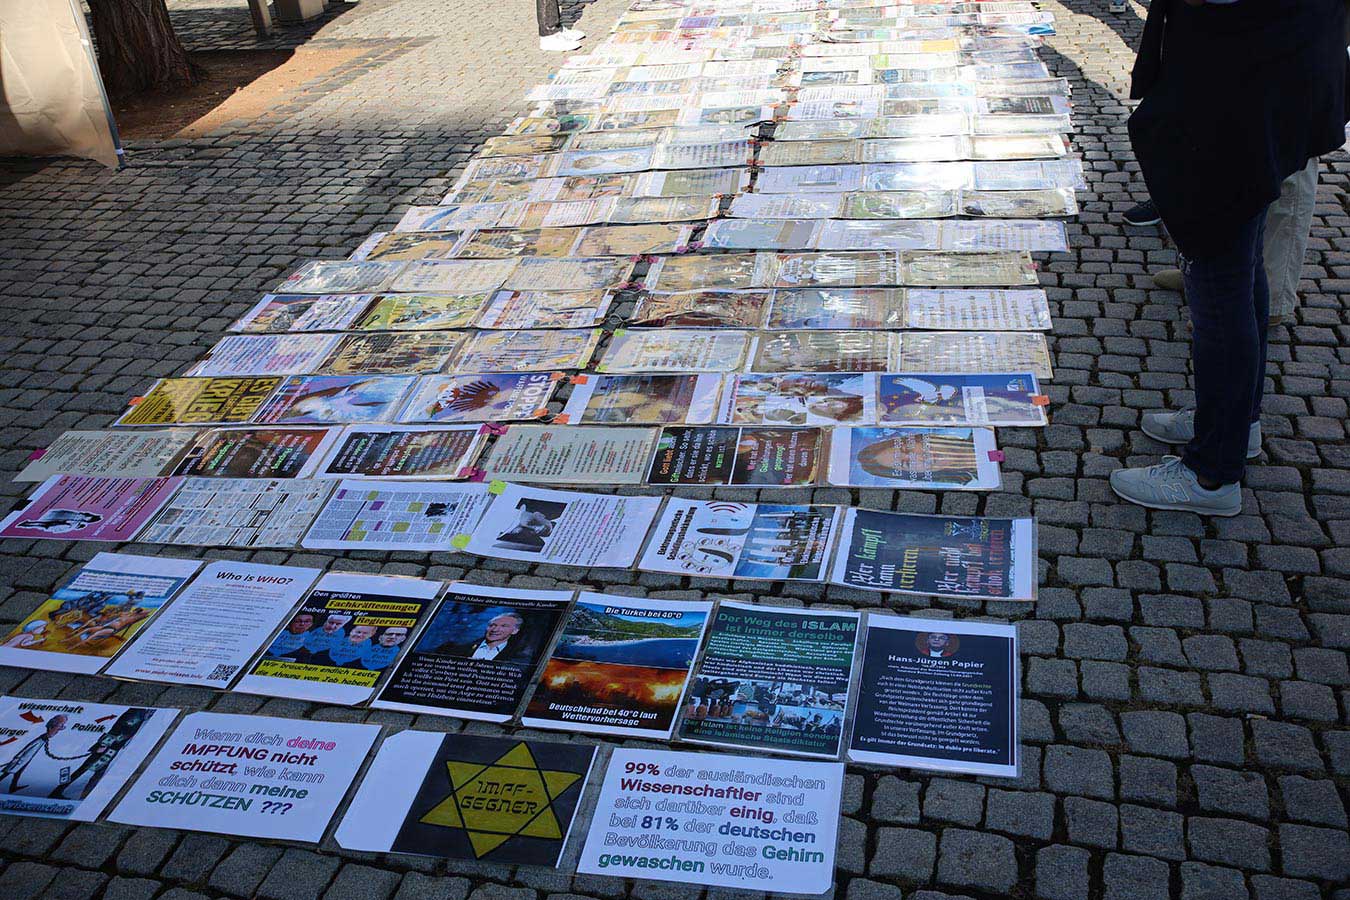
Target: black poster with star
497	800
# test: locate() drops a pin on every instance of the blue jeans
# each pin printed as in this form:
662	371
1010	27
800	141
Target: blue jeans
1230	305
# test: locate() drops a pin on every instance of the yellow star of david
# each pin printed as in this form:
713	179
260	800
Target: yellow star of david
494	802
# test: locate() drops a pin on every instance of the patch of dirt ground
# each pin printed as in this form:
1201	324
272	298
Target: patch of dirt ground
237	85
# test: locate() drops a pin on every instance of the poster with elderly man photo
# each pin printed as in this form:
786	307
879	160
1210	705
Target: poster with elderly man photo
477	654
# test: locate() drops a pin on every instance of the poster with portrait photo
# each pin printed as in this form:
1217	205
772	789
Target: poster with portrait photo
477	654
947	459
938	694
567	528
345	635
63	759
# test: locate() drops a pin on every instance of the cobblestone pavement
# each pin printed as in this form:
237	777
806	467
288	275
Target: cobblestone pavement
1186	686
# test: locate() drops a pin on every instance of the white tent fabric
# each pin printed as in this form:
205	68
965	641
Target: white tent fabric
51	96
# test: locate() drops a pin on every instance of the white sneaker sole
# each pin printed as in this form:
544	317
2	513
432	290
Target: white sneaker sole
1182	507
1171	443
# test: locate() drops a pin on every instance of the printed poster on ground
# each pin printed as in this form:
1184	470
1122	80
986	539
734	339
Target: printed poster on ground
62	759
254	776
345	635
620	666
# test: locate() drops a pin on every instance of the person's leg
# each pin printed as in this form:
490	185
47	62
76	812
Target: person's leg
549	15
1261	306
1288	224
1227	296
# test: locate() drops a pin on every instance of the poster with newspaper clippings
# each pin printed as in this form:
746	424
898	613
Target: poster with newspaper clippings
253	776
392	515
239	512
64	759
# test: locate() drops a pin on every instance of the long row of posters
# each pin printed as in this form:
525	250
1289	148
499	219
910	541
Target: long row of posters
729	674
953	556
502	800
936	699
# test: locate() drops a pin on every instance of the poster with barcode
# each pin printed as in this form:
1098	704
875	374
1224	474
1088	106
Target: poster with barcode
207	635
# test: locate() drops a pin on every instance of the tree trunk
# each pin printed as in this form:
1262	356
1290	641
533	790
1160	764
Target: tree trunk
137	48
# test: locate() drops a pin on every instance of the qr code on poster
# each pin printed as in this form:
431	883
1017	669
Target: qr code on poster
222	673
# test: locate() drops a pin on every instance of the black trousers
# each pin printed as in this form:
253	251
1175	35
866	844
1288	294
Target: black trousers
550	17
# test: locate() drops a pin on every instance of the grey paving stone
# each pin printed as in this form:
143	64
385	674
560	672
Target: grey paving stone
904	853
1229	842
1202	882
961	802
1228	791
355	882
1135	878
1315	801
1318	853
977	860
1075	770
1062	873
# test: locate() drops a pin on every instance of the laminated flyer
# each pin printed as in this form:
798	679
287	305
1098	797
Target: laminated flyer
527	351
721	539
339	277
567	528
595	273
737	822
402	451
407	245
701	309
495	800
738	457
938	694
822	351
570	454
975	352
544	309
239	512
95	613
642	400
944	459
216	624
837	308
926	398
342	638
421	312
115	454
773	678
201	401
674	350
452	276
67	759
264	354
83	508
335	399
800	398
633	240
487	397
254	776
395	352
944	556
620	666
699	272
303	312
478	653
256	452
396	515
977	310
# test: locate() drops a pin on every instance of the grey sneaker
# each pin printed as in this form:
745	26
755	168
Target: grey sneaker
1170	485
1179	428
1170	280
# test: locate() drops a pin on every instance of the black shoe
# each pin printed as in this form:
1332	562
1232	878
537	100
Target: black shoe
1143	214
